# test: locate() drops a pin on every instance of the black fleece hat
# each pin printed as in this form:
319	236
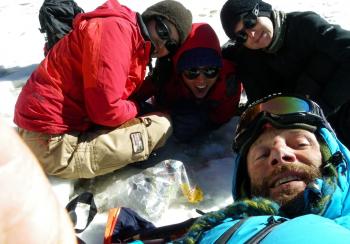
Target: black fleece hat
232	9
174	12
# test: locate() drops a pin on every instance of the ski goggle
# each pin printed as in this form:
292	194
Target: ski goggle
249	21
281	111
164	32
208	72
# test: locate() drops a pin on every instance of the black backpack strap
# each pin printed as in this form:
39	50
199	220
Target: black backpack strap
82	210
228	233
271	224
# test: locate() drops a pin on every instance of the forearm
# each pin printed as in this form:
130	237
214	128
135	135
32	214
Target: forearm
28	207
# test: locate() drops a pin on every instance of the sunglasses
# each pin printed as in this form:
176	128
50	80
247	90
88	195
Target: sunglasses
208	72
164	32
249	21
281	111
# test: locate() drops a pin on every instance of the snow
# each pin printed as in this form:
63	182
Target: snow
208	161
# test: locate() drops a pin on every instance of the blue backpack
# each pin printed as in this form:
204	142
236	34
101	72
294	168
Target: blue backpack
256	220
274	229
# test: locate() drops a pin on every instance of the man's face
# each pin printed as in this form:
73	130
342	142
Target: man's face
259	36
281	162
162	31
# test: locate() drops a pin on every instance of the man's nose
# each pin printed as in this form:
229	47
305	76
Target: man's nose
281	153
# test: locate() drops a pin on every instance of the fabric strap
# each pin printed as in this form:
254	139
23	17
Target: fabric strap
82	210
229	233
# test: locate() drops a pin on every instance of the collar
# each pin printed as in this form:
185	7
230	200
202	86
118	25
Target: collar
279	26
146	36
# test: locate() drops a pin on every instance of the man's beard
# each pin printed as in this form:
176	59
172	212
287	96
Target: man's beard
288	196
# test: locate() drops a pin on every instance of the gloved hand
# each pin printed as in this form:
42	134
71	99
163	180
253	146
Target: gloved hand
154	81
162	71
228	50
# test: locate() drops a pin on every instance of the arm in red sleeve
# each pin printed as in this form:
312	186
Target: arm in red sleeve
108	46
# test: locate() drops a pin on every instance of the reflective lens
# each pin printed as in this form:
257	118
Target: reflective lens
208	72
171	46
249	21
277	106
163	31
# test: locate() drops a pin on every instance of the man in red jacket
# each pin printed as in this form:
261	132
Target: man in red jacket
74	111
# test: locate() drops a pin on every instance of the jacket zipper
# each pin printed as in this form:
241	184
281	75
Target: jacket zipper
271	224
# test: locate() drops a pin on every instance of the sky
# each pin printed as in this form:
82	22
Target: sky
208	161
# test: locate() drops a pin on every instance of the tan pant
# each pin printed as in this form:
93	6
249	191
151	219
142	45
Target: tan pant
99	151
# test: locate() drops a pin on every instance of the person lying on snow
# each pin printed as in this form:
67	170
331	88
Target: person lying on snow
292	179
297	52
75	111
199	88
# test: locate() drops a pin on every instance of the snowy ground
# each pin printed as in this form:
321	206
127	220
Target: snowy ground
208	161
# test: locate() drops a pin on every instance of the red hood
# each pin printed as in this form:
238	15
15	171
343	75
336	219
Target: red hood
202	36
109	8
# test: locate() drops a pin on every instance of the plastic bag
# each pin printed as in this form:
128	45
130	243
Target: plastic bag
151	191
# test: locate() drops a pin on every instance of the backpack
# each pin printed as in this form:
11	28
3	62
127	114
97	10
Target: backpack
56	17
267	229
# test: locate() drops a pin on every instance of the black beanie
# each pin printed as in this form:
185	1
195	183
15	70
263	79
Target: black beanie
174	12
232	9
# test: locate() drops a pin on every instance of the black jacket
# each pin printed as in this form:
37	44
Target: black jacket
314	60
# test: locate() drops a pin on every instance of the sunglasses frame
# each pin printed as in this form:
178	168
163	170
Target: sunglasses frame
250	20
164	32
209	72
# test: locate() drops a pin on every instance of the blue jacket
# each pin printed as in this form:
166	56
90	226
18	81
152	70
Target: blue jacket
329	223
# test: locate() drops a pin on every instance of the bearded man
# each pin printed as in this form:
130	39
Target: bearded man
291	182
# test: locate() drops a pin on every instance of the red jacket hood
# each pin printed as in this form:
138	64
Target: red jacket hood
202	36
109	8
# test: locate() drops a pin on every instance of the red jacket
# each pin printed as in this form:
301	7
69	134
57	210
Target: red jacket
88	76
222	99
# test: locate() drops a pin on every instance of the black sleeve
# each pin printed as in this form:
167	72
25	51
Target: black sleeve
252	70
334	42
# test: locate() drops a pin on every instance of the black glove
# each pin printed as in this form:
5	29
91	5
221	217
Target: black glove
162	71
228	50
